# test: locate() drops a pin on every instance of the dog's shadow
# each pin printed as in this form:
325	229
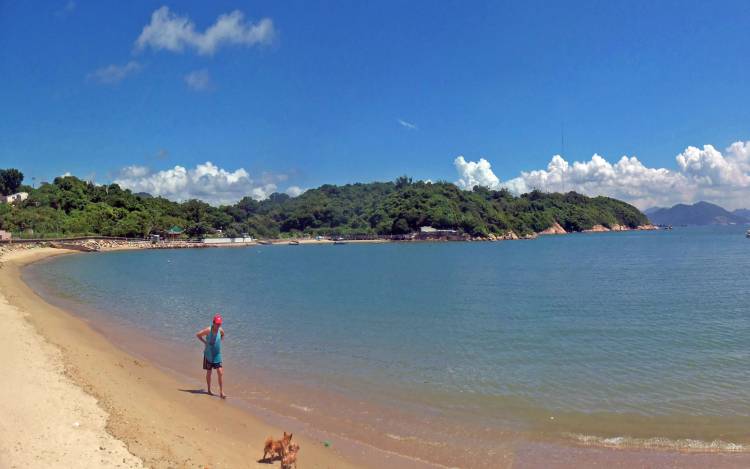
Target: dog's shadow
268	460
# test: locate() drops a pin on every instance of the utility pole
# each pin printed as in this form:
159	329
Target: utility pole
562	151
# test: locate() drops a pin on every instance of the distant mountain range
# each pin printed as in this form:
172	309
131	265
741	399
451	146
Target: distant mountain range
701	213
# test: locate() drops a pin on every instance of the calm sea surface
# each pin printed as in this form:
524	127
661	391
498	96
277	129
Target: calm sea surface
637	338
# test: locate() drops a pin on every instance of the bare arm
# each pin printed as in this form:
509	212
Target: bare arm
222	333
203	333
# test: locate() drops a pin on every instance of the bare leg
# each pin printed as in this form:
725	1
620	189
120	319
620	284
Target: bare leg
220	373
208	381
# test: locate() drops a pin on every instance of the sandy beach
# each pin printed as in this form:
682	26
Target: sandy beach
78	401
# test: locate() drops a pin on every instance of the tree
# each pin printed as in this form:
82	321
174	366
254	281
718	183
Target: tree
400	226
198	230
403	181
10	181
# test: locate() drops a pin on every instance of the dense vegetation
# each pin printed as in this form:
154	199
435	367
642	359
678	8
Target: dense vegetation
70	206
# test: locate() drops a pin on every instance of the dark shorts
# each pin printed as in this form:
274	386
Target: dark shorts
210	366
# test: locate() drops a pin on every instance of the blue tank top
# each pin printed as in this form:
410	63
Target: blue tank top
212	352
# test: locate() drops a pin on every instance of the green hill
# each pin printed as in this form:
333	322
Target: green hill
70	206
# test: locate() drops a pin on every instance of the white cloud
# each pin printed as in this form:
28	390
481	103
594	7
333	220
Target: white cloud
472	174
113	74
701	174
206	181
294	191
710	167
406	124
169	31
134	171
198	80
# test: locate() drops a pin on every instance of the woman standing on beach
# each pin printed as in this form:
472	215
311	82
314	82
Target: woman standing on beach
212	337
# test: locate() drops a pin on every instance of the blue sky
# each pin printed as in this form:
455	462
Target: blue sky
359	91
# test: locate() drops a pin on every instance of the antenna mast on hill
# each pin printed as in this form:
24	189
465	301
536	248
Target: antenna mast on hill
562	151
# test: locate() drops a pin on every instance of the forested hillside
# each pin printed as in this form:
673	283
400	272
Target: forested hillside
69	206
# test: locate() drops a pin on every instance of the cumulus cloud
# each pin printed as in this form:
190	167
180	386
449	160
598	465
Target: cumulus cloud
198	80
700	174
174	33
472	174
294	191
406	124
113	74
206	181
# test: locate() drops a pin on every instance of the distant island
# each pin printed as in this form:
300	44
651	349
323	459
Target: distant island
701	213
71	207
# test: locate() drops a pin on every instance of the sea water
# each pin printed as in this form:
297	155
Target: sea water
635	338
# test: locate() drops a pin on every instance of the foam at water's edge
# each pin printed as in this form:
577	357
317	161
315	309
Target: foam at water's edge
682	444
393	436
301	407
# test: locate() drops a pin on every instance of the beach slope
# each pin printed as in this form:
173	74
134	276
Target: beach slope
47	420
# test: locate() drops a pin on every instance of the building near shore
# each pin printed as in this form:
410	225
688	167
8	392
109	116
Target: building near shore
238	240
174	233
428	232
5	235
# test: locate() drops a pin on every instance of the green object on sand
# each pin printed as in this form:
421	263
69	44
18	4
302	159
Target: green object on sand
327	444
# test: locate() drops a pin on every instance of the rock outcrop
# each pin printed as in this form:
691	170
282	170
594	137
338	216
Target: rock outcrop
554	229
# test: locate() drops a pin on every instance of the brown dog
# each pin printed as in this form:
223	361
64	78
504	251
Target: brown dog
276	448
290	460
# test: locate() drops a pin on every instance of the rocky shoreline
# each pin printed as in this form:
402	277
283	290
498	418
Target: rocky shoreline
103	244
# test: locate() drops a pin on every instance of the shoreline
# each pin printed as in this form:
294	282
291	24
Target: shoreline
164	445
104	244
140	406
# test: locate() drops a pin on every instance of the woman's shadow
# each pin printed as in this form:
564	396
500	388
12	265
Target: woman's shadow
194	391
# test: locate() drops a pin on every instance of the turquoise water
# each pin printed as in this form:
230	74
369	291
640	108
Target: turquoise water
640	335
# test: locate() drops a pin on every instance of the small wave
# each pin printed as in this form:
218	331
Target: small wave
684	444
301	407
413	438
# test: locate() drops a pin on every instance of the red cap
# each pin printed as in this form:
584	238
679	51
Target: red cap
217	319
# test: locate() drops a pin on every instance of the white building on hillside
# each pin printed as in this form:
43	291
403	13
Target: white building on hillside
15	198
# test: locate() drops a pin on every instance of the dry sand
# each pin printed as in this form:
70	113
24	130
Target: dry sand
47	421
72	399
